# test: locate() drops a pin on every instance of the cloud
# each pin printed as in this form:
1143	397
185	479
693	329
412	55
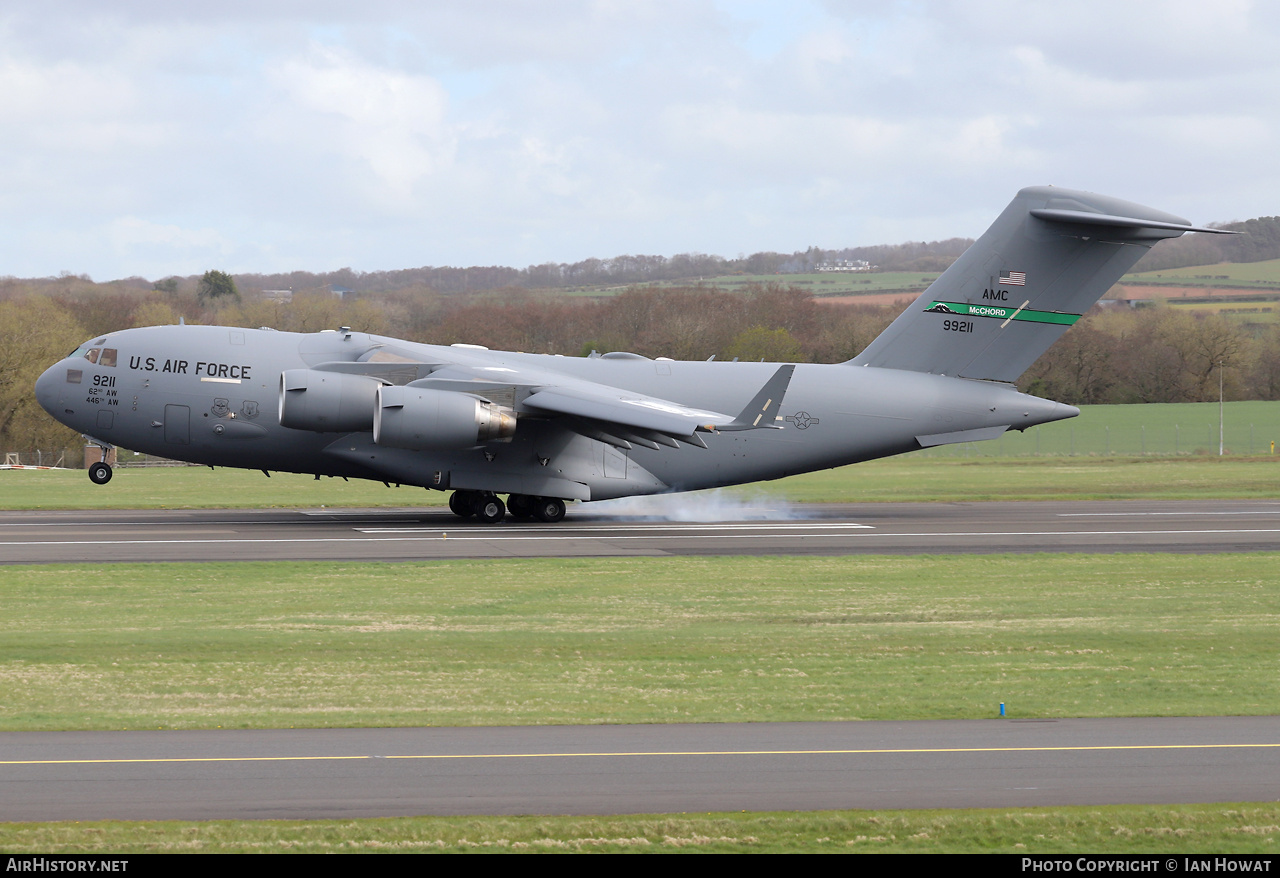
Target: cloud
146	138
393	123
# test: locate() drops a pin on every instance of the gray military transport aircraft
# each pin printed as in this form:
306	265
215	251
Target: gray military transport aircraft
546	429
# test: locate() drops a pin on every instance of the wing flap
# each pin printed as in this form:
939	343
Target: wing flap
650	421
626	409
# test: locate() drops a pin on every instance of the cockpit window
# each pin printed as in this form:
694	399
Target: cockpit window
108	357
92	354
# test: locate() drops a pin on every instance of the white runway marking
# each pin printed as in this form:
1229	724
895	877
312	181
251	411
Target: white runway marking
472	536
1136	514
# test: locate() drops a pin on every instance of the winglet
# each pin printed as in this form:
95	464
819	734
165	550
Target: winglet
760	412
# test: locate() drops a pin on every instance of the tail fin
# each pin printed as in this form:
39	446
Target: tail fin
1044	262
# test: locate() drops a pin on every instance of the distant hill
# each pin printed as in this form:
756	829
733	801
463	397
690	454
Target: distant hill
1260	241
921	256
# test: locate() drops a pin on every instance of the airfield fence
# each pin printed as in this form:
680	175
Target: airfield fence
25	459
72	459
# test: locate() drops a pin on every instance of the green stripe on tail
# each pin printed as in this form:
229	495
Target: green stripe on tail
1002	313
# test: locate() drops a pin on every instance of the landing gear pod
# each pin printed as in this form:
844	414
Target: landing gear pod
327	402
418	418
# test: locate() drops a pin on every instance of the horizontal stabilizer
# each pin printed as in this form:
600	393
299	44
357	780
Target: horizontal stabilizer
1086	218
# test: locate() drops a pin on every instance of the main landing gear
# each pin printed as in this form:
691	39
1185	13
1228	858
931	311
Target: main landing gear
99	473
489	509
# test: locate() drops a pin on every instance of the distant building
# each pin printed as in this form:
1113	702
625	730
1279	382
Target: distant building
338	291
845	265
281	297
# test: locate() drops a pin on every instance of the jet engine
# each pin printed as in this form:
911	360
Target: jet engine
418	418
327	402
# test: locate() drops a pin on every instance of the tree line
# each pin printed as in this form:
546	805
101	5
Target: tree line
1113	355
1260	240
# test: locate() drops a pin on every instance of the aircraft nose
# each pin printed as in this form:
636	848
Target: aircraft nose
48	388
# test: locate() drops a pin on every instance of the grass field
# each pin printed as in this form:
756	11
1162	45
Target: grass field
818	284
1130	829
1249	428
835	283
636	640
1261	275
944	477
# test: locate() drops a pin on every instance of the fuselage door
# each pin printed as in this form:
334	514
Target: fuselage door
177	425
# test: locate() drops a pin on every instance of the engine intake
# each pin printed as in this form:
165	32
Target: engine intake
327	402
418	418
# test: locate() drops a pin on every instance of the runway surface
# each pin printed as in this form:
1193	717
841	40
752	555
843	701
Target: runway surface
635	769
408	534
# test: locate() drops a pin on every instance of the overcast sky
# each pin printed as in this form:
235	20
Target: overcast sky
151	138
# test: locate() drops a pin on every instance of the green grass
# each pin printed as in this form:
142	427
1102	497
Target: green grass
959	479
1131	829
1262	275
186	487
646	640
1249	428
911	478
833	283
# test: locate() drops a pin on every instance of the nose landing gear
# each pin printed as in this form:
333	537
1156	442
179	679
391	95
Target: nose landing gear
99	473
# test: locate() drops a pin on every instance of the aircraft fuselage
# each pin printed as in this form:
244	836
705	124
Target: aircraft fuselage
211	395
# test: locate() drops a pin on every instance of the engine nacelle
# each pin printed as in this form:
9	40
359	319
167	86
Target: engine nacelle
327	402
418	418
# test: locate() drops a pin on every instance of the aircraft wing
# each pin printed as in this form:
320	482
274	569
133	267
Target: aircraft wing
609	412
604	412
